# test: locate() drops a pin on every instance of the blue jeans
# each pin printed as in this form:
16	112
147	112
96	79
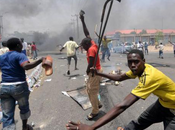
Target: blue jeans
105	51
9	94
35	54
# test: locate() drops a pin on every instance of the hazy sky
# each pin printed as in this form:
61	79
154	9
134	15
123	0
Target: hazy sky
56	15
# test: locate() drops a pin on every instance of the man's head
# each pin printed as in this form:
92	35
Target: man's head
4	43
71	38
86	43
104	37
160	43
136	62
14	44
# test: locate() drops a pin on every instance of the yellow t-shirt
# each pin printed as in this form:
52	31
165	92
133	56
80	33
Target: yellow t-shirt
71	46
154	81
105	43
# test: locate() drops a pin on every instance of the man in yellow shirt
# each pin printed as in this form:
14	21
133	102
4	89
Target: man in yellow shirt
104	48
72	46
151	80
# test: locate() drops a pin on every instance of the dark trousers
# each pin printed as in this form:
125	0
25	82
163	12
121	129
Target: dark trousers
154	114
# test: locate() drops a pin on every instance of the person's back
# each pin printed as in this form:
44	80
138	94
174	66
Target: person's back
71	47
161	47
10	67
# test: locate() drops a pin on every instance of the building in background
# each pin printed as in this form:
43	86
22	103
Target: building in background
145	35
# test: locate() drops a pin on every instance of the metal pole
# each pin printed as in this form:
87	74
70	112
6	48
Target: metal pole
1	27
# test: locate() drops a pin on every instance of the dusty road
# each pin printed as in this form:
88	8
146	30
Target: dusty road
51	110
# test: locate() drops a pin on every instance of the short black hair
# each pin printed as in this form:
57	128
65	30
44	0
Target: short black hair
4	43
12	43
140	53
86	41
71	38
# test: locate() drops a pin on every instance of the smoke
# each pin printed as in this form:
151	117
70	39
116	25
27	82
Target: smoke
52	22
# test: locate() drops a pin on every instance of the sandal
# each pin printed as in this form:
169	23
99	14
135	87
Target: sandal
91	116
120	128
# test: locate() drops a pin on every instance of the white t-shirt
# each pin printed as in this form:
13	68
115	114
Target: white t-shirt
24	44
3	50
71	46
161	47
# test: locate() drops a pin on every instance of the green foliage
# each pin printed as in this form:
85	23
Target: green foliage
133	32
159	36
143	31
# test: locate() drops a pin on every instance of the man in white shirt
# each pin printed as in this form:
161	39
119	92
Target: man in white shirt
140	46
4	48
71	52
24	44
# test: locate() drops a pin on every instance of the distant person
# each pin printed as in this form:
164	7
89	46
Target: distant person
34	51
161	48
29	51
146	48
14	86
151	81
173	47
4	48
24	48
72	46
105	49
140	46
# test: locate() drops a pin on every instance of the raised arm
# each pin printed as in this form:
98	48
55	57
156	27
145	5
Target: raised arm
86	32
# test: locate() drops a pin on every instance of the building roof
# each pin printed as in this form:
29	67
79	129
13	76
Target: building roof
139	30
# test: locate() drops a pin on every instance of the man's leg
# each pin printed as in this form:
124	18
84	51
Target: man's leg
93	90
75	58
22	96
8	107
169	120
68	64
153	114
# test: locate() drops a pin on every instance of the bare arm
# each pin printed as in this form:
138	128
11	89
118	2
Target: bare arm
28	65
86	32
113	113
114	77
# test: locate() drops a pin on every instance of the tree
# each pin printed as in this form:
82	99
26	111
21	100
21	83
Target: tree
143	31
159	36
133	32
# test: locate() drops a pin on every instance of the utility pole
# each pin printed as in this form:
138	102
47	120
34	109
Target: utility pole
1	27
76	15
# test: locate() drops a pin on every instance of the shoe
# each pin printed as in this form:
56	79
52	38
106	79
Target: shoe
120	128
100	106
68	72
91	116
108	59
76	68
